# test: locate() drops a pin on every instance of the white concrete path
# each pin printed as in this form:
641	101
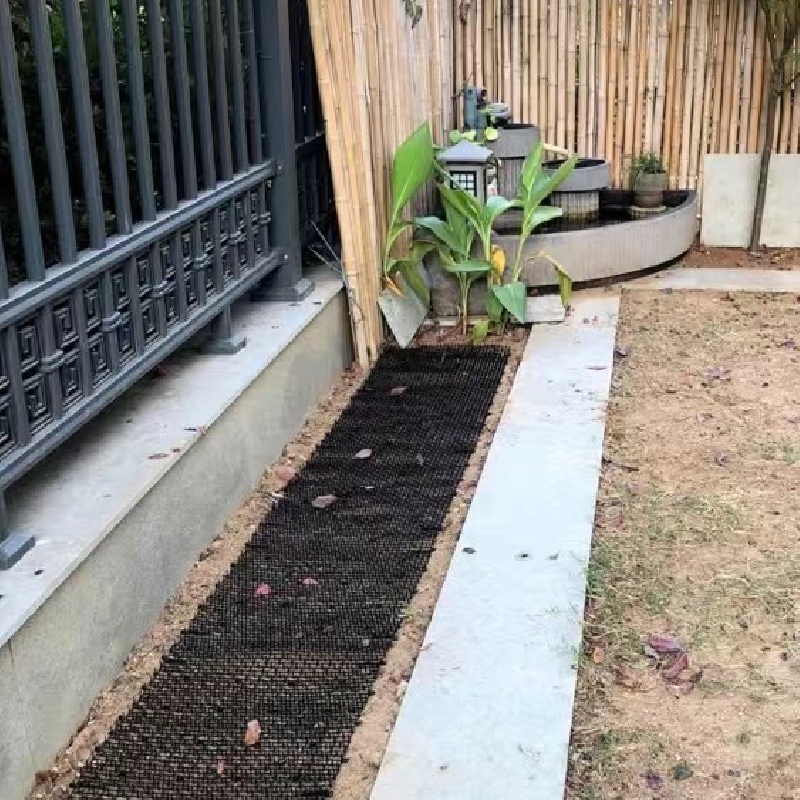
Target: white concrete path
488	710
724	280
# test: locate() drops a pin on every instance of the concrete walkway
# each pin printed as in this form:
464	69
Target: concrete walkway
488	710
723	280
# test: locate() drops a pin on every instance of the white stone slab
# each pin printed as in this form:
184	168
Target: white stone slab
724	280
488	710
729	193
546	308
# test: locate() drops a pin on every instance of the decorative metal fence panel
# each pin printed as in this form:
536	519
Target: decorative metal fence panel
137	204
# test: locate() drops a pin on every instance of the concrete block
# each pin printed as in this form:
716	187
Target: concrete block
16	765
729	195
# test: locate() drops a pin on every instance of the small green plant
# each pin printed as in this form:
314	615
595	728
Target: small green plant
412	166
646	164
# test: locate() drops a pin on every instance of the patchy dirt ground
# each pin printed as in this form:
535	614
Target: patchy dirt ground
370	739
787	258
696	538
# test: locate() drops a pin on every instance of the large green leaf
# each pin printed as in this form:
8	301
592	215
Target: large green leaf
480	330
539	216
442	231
472	266
462	202
547	182
410	271
413	163
494	308
514	298
394	234
531	168
497	205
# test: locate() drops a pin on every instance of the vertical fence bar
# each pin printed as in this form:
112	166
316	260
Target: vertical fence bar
256	150
188	164
220	90
237	80
141	133
286	283
18	144
309	76
203	98
87	144
3	271
53	132
113	112
163	115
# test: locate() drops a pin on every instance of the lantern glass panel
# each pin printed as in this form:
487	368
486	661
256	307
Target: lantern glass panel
468	181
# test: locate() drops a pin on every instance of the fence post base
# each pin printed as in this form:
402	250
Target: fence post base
222	341
289	294
12	545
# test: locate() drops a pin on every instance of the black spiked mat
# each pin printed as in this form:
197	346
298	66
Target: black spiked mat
301	655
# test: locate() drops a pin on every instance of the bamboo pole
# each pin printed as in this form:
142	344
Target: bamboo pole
542	58
468	29
480	79
525	55
561	44
516	60
757	94
671	81
583	81
661	79
602	90
641	77
632	107
719	66
747	80
652	68
591	134
678	76
611	97
552	68
571	82
619	121
736	44
794	136
727	85
699	112
687	146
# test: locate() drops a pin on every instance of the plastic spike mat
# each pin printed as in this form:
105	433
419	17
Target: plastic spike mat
295	634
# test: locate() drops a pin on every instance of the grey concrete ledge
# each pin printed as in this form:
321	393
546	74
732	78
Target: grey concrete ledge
121	512
611	251
724	280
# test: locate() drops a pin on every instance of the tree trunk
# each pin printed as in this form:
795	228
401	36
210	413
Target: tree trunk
773	97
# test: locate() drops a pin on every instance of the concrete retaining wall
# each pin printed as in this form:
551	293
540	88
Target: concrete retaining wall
53	667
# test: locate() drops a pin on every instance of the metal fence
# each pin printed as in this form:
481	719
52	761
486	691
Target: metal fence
153	181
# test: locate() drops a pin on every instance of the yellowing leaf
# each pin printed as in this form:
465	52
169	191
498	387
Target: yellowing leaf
498	260
393	287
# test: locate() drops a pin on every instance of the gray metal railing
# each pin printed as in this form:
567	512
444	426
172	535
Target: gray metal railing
169	166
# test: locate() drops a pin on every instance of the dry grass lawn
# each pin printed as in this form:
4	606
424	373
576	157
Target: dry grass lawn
697	537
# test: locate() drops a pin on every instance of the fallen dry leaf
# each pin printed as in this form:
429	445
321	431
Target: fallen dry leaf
253	732
324	501
284	474
716	374
654	781
220	767
664	644
263	590
598	368
623	350
310	582
362	454
397	391
673	671
598	655
156	456
626	677
721	459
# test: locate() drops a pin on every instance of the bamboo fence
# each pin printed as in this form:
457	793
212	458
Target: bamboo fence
615	78
607	78
379	79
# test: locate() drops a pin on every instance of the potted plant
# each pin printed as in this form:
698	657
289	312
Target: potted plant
648	180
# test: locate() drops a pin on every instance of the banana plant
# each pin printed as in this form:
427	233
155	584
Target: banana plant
535	185
412	166
453	238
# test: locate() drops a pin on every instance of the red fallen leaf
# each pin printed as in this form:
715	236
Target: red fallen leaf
397	391
673	671
324	501
654	781
365	453
220	767
284	473
310	582
664	644
157	456
253	732
263	590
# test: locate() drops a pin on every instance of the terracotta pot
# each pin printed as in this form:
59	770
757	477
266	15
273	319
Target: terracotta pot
649	188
